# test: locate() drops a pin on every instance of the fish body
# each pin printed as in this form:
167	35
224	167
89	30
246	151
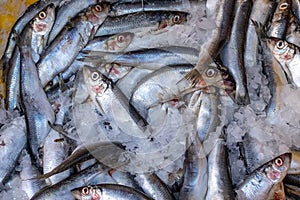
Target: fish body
153	186
295	164
108	191
195	172
133	7
148	58
137	22
13	141
260	182
70	41
233	53
38	111
280	19
35	35
219	182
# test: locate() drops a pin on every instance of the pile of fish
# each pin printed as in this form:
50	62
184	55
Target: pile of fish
152	99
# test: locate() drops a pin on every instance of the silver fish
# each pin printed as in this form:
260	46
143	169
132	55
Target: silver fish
132	7
141	21
70	41
233	53
258	183
295	164
12	142
195	172
35	35
38	111
153	186
108	191
219	182
280	20
148	58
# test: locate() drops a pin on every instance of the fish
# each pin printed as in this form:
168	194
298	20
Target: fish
293	31
108	191
153	186
232	54
148	58
219	37
35	35
13	141
111	101
218	173
195	172
280	20
259	182
67	11
70	41
140	6
138	22
288	56
38	111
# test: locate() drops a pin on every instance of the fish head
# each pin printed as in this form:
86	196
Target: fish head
87	193
216	77
98	13
278	167
281	50
119	42
42	23
95	81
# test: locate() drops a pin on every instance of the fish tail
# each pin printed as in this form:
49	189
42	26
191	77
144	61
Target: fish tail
193	76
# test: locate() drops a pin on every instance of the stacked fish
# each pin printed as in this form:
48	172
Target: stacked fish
128	100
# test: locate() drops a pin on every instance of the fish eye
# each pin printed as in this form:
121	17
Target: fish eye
98	8
120	38
280	44
95	76
42	15
278	162
210	72
283	6
85	191
176	19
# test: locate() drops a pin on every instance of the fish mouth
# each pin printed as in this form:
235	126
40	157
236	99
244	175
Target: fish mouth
274	175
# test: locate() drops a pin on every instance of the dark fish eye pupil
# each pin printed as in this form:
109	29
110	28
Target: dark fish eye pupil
42	15
98	8
283	6
176	18
210	72
278	162
121	38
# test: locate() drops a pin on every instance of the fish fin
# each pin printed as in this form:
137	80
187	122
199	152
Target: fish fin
193	76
